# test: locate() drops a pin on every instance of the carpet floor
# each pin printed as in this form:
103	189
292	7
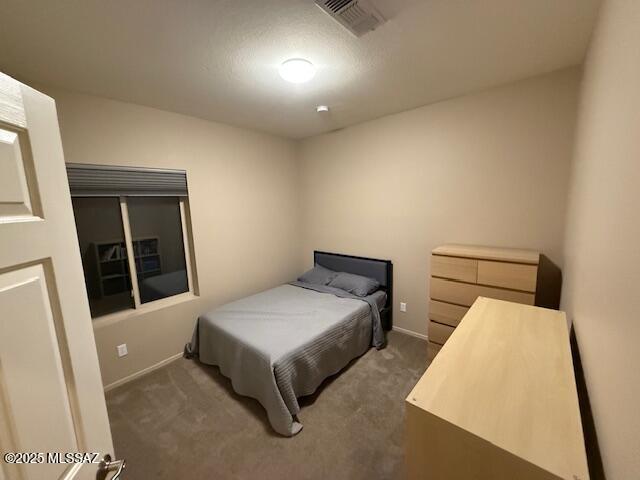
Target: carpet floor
184	421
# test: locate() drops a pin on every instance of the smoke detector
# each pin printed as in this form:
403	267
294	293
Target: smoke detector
357	16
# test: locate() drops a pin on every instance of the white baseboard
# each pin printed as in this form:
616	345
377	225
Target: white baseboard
164	362
410	332
142	372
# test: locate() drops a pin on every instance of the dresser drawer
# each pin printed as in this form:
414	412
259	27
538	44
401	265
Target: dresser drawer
432	350
465	294
508	275
463	269
439	333
446	313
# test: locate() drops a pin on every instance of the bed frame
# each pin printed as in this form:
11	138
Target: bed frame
381	270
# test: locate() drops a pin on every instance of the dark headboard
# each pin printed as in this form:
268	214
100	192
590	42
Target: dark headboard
381	270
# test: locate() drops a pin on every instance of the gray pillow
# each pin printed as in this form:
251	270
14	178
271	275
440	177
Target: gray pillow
318	275
355	284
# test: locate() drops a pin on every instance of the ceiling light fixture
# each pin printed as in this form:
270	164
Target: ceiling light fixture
322	108
297	70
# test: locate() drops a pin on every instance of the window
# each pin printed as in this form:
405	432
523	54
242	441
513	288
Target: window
103	252
158	247
132	231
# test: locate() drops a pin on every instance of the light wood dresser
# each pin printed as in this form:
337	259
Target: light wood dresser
462	273
499	401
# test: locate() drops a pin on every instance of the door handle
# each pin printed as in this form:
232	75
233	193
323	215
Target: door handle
107	465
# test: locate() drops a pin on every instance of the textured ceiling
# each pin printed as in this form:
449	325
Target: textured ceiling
218	59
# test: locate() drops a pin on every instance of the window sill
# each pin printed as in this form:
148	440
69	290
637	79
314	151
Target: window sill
112	318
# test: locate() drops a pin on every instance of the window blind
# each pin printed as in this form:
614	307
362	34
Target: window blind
115	181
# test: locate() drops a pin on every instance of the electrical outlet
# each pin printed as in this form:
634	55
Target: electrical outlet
403	307
122	350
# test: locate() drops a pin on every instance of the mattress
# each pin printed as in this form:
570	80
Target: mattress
281	344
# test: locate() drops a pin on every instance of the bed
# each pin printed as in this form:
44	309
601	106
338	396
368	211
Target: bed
280	344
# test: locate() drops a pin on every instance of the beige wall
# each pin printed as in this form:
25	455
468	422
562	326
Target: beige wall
490	168
602	250
243	198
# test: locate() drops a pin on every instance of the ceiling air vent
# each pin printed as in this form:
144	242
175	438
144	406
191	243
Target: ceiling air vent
357	16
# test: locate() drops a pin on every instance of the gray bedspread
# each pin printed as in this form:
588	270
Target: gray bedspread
281	344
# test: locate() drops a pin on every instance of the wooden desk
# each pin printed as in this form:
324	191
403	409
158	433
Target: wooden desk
499	401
